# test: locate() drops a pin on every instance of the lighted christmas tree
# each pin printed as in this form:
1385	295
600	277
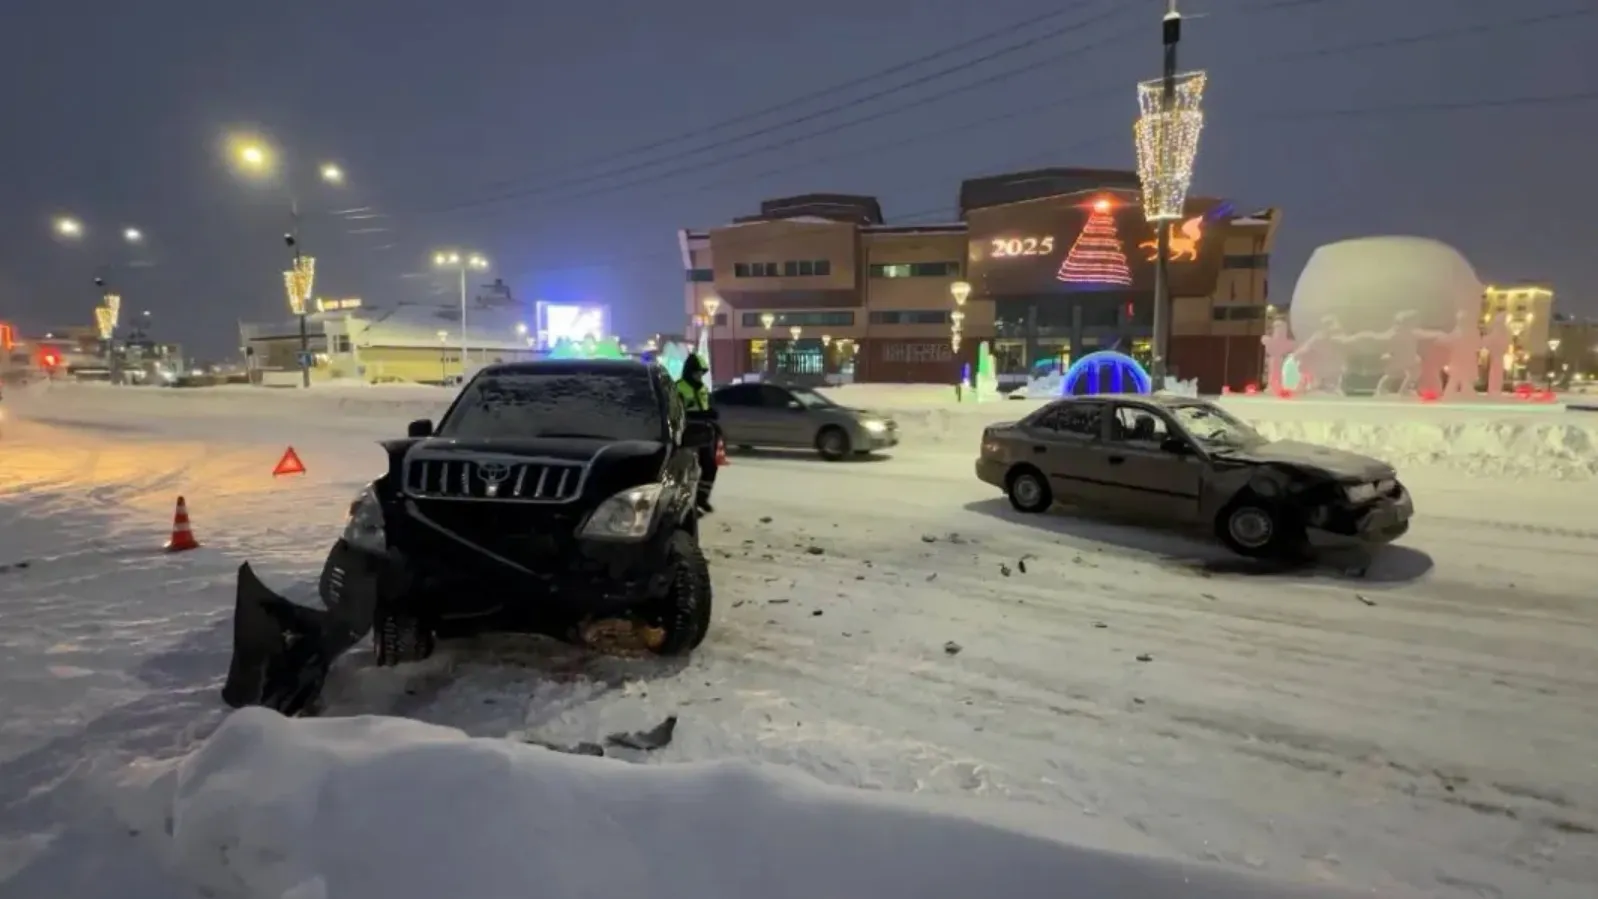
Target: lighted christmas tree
1097	257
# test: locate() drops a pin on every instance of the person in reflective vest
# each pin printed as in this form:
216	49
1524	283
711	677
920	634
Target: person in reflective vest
696	402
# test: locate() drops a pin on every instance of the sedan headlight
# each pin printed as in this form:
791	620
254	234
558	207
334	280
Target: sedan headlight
1361	493
363	529
874	425
625	516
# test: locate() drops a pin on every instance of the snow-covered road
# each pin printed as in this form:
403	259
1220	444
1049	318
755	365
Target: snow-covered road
887	624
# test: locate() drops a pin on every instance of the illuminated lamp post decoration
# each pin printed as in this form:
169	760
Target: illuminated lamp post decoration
298	283
1166	136
768	320
706	331
961	291
1097	257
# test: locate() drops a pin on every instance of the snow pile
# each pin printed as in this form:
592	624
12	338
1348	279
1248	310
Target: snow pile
386	808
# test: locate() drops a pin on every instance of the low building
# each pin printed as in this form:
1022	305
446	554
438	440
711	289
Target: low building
405	342
1059	263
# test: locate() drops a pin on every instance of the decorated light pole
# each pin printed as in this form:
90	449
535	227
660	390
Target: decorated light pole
1166	136
711	304
961	291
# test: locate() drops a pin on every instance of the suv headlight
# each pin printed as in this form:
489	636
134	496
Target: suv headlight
874	425
626	516
1361	493
363	529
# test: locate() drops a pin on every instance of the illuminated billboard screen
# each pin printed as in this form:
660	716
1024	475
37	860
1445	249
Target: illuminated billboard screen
1095	241
558	321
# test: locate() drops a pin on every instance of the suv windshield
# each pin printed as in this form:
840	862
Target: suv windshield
603	406
1213	427
810	399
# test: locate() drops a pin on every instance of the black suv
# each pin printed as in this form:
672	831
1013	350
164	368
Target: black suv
553	497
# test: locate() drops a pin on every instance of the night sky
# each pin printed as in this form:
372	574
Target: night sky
568	141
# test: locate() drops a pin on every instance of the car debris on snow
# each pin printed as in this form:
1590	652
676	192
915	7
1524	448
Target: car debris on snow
657	737
952	648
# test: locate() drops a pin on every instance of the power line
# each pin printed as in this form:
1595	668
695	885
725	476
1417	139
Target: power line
1116	10
1404	109
1440	34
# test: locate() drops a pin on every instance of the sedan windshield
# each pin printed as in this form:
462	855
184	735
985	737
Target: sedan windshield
602	406
1214	427
811	399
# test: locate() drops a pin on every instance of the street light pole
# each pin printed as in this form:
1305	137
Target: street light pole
461	262
1171	35
292	238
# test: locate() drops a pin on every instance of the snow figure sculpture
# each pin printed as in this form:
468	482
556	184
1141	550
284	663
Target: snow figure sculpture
1366	283
1464	351
1323	358
1278	344
1497	342
1402	360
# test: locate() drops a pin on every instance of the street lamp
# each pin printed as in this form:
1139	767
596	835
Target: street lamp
1166	137
794	332
69	228
443	351
332	174
461	262
133	235
961	291
768	320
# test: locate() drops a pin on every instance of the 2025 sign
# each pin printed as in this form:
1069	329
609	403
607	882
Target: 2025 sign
1016	247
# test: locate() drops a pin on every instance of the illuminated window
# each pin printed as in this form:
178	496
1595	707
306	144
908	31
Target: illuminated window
916	270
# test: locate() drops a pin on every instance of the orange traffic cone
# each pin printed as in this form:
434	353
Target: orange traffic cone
182	538
721	453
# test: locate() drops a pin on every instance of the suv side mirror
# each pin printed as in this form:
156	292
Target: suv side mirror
698	435
1176	446
421	427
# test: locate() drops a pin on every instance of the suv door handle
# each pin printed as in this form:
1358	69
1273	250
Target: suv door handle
1117	460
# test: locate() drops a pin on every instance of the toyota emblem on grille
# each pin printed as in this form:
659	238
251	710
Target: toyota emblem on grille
493	475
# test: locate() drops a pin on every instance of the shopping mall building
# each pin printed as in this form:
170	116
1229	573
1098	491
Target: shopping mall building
1060	262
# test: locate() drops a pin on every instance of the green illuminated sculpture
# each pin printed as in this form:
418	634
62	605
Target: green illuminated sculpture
987	382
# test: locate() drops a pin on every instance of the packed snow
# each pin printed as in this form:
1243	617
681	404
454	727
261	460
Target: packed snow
893	648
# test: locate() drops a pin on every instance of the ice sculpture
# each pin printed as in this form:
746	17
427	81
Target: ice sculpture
1394	299
1464	351
673	355
1497	342
1277	347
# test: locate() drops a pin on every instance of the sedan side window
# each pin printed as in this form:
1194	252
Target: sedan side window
737	395
773	397
1074	419
1139	426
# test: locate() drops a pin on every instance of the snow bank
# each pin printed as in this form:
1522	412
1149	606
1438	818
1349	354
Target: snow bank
386	808
1497	440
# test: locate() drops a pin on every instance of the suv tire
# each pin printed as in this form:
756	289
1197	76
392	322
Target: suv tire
684	612
1257	528
399	638
1029	490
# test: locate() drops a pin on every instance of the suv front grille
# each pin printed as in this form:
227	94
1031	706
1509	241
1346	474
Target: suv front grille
539	481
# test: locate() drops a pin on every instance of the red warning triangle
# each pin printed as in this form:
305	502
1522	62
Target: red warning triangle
289	464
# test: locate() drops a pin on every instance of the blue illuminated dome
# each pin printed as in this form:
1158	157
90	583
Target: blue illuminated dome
1106	371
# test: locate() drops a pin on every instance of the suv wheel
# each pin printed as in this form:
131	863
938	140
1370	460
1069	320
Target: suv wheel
398	638
833	444
683	614
1029	490
1253	527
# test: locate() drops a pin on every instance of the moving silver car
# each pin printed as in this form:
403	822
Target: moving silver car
792	417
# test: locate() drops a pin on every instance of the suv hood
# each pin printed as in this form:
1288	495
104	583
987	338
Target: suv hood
1340	464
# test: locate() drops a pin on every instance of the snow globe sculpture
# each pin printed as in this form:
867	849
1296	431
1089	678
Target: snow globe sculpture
1392	301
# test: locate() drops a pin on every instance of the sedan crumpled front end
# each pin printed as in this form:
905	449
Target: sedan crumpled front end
1363	512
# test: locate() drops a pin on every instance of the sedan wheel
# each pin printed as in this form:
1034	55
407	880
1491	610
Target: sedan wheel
1029	492
1251	526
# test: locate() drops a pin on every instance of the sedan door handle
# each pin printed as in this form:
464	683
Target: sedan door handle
1117	460
1040	449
